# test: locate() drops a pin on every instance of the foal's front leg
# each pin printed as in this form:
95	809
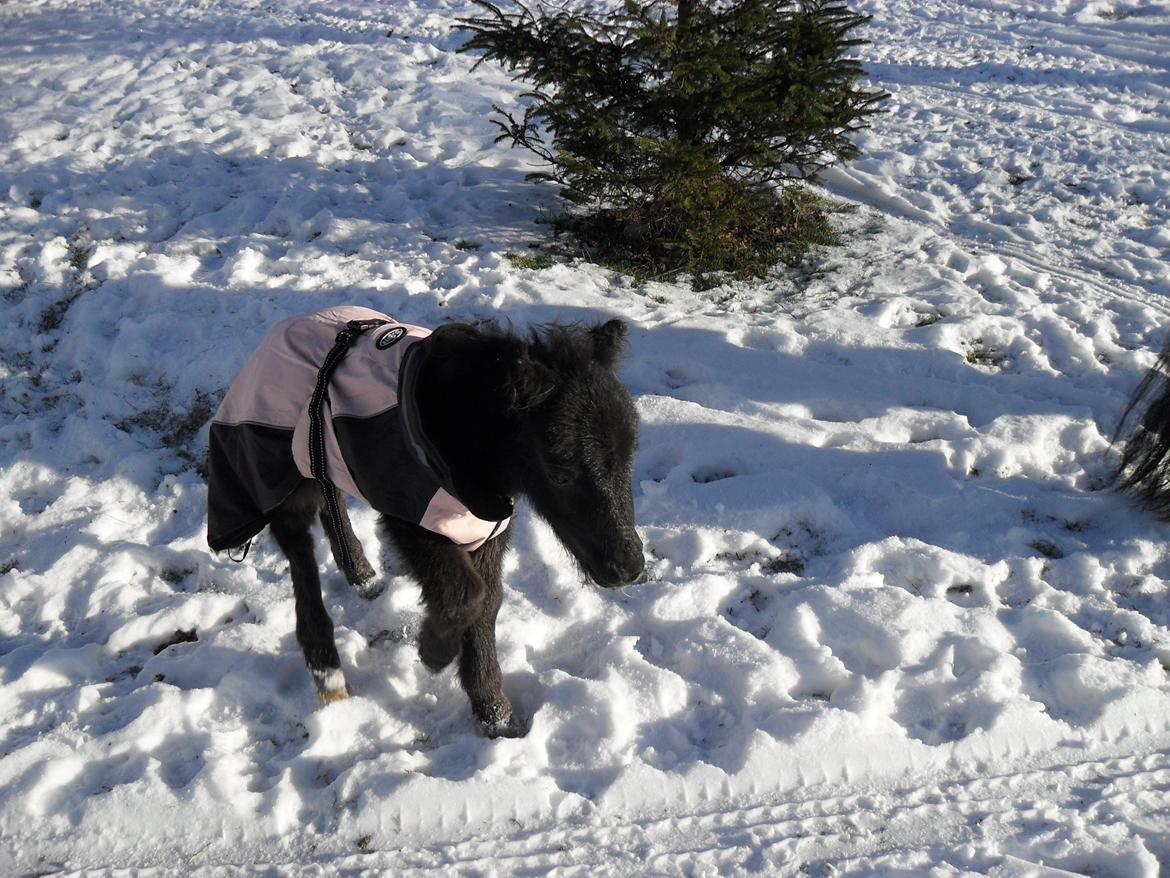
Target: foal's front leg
479	670
453	590
290	526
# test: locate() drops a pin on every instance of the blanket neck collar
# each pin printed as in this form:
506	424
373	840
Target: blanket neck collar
424	448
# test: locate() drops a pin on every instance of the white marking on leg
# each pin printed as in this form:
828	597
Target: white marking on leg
330	684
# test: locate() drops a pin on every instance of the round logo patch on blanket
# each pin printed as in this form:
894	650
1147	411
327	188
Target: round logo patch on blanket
389	338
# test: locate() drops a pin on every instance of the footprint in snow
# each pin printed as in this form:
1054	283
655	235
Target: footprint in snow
706	475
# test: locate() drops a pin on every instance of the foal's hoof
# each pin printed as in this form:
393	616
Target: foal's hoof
497	720
511	727
370	588
330	685
365	581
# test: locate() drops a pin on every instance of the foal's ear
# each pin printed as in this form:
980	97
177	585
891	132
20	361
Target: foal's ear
609	341
529	383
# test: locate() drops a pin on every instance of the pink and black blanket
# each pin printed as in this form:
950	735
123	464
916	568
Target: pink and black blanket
371	442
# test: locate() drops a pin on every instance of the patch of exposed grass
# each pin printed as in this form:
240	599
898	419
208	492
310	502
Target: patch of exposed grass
536	263
793	564
987	356
177	431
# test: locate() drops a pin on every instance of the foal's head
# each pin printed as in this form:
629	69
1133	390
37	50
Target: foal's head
581	439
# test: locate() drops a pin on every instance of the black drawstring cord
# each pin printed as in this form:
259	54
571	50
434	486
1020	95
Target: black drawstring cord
345	340
242	551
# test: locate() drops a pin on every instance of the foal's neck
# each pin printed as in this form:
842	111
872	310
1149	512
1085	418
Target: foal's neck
466	420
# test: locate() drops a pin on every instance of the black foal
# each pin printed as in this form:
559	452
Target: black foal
441	435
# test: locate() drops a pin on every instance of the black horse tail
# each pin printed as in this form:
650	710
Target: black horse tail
1144	469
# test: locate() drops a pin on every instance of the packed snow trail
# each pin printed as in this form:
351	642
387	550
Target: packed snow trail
1002	824
893	625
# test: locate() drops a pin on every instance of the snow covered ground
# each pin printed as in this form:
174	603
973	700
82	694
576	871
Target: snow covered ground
893	626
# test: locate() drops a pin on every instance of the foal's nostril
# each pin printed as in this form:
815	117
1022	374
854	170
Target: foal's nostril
622	571
634	572
623	564
634	563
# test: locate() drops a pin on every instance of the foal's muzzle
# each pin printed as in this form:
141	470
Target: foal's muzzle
626	566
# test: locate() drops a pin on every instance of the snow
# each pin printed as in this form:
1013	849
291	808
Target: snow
893	624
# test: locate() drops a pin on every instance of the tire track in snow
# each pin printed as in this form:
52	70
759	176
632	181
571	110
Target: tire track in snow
1100	289
1017	31
975	817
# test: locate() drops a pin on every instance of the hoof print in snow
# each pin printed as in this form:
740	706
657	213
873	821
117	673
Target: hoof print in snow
128	673
178	637
815	695
706	476
175	575
1048	549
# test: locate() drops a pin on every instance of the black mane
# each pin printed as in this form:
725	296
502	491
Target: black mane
1144	468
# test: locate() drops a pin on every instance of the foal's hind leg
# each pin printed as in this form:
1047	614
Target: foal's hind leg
361	576
290	527
453	591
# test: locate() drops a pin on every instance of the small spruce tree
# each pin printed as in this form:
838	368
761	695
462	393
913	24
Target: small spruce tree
682	129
